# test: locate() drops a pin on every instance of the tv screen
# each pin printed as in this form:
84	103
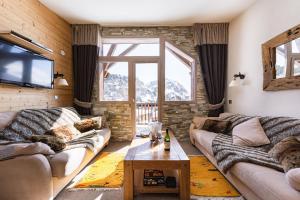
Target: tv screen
23	67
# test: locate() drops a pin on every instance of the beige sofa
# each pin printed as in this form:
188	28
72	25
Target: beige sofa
254	182
39	177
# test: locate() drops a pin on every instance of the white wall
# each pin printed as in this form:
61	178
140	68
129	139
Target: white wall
261	22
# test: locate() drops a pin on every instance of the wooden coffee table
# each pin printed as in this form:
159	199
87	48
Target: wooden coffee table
143	154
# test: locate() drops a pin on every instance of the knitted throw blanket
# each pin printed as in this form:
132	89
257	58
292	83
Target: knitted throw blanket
37	122
228	154
276	129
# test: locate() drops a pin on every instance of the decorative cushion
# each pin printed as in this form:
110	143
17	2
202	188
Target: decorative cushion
249	133
66	132
55	143
88	124
293	178
216	126
199	121
287	152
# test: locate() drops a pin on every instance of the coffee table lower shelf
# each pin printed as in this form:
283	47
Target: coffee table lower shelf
141	188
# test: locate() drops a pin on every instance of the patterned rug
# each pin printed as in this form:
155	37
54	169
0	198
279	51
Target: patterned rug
207	181
106	171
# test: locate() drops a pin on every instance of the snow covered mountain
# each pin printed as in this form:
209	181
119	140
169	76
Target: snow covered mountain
116	88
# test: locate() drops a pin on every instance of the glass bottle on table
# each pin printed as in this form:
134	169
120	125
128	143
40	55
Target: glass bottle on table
167	141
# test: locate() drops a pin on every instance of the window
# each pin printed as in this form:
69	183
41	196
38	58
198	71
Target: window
178	74
140	59
114	81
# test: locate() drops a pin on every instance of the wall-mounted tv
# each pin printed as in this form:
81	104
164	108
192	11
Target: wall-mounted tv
22	67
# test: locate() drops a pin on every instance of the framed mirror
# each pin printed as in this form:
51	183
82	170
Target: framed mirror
281	61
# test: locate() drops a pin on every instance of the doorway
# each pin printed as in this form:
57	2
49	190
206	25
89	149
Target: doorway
146	95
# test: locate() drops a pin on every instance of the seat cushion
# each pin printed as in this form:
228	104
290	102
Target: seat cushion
267	183
205	139
64	163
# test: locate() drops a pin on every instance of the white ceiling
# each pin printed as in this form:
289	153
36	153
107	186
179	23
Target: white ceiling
147	12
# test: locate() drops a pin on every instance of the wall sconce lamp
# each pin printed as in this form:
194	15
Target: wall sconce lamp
61	81
238	80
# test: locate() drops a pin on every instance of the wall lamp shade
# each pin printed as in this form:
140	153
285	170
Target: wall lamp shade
60	80
238	80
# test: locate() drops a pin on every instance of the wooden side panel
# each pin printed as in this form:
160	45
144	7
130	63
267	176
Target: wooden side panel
37	22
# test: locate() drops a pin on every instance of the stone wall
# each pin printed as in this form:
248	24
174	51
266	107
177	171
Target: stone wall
177	116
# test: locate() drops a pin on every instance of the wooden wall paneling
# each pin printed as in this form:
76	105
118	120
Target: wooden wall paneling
37	22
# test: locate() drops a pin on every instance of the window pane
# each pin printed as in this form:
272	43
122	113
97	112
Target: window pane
146	82
145	50
281	61
297	67
131	49
115	81
296	46
120	48
106	48
178	78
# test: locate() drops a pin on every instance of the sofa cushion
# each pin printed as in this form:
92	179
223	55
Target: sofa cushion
287	152
88	124
199	121
267	183
66	132
250	133
64	163
55	143
216	126
293	178
6	118
205	139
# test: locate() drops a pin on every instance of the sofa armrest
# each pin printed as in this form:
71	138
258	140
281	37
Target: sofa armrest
26	177
192	127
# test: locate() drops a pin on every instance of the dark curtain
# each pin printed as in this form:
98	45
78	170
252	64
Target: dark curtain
85	59
213	61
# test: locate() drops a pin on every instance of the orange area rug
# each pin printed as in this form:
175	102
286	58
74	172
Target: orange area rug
106	171
206	180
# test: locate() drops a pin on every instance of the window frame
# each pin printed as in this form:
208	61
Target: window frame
160	59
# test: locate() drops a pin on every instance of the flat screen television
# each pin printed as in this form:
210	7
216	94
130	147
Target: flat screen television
22	67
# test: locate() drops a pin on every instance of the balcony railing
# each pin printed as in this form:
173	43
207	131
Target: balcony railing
146	112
